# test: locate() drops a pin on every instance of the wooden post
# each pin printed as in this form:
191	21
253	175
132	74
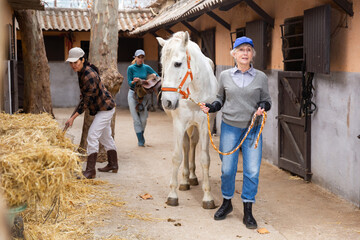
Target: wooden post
37	96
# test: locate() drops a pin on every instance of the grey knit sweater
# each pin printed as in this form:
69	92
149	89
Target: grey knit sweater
240	104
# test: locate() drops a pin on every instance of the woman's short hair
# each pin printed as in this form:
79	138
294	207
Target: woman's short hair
232	52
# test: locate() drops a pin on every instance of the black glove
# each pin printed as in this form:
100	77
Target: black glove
213	107
264	105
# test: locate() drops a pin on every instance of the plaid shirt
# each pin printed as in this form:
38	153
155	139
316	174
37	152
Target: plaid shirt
94	95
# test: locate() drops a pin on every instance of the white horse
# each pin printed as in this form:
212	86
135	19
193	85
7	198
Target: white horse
187	73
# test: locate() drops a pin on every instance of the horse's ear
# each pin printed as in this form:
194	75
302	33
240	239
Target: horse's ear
161	41
186	38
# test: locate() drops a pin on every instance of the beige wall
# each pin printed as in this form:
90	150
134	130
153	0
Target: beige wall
150	47
343	57
6	18
345	47
79	36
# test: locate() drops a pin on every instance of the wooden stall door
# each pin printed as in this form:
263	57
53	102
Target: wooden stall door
294	141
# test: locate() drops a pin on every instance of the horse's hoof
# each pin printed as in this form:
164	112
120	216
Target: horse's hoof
209	204
184	187
193	181
172	201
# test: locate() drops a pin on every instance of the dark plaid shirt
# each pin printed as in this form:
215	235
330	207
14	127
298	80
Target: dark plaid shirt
94	95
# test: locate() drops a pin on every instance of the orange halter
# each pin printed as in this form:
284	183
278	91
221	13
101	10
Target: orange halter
178	89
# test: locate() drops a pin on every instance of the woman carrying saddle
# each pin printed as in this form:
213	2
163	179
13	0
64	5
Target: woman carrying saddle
139	75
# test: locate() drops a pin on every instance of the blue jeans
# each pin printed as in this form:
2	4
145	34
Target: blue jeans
139	118
229	139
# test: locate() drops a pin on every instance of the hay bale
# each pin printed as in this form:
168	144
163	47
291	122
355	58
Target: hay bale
37	167
36	159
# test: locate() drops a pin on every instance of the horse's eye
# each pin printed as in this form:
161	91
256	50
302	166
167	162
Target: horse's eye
177	64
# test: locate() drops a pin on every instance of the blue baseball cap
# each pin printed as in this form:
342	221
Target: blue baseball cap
242	40
139	52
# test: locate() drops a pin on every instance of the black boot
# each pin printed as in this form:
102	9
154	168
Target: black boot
90	171
112	162
224	210
248	219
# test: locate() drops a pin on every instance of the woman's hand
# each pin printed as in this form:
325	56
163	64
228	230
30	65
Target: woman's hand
204	108
69	122
152	76
260	111
135	80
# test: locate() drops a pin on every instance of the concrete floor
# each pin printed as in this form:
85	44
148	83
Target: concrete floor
287	206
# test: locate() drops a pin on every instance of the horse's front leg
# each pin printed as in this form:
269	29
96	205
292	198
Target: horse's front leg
191	138
194	139
184	184
208	200
172	199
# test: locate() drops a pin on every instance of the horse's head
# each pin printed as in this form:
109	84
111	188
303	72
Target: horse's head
174	60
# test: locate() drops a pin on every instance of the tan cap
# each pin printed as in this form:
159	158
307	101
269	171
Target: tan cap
74	54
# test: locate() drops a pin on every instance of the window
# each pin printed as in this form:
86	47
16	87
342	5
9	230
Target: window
55	49
239	32
307	37
127	48
85	45
292	32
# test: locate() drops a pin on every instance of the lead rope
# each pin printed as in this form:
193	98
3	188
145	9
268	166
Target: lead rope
247	133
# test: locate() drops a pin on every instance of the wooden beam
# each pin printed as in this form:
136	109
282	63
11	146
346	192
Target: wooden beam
229	6
169	30
219	20
191	19
346	6
29	4
154	34
261	12
191	28
168	26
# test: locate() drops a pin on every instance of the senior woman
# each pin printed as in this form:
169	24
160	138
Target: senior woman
243	91
96	98
137	73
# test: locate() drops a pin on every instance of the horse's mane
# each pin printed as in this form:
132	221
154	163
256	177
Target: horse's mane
166	52
204	63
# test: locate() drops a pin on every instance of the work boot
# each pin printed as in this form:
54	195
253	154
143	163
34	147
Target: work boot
224	210
141	140
142	135
248	219
112	162
90	171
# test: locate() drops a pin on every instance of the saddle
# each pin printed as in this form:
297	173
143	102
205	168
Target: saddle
152	82
142	88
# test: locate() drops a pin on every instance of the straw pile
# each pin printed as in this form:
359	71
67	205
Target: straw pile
36	159
37	167
84	206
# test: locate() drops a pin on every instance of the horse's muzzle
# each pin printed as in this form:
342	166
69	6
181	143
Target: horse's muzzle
170	105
